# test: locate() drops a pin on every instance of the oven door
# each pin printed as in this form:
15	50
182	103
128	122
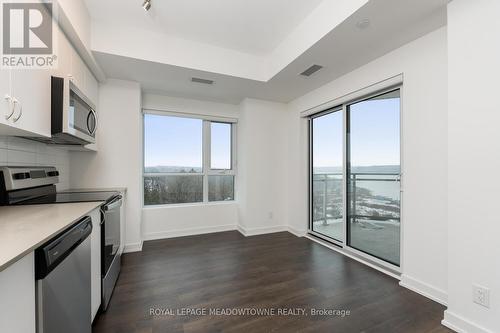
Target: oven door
110	245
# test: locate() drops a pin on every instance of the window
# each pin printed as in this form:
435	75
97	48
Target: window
220	146
187	160
373	175
355	176
327	174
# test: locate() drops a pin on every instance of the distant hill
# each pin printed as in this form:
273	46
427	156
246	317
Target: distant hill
171	169
375	169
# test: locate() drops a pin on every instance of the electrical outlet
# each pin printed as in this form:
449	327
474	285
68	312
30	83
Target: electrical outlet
481	295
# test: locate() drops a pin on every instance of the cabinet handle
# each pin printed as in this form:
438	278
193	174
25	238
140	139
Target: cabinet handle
15	101
11	107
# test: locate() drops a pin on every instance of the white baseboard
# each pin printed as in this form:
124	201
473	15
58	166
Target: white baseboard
296	232
133	247
261	231
208	230
187	232
424	289
241	230
461	325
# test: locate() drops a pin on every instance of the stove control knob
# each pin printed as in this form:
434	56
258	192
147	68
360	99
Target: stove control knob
21	175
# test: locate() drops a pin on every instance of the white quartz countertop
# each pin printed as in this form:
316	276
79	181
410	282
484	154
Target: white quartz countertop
97	189
24	228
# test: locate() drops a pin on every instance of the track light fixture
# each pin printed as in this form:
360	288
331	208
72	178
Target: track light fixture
146	5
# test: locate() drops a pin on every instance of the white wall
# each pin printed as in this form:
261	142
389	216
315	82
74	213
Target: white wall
262	167
189	219
424	143
473	162
118	162
184	220
261	164
17	151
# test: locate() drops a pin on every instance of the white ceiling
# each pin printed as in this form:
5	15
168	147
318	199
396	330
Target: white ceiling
250	26
345	48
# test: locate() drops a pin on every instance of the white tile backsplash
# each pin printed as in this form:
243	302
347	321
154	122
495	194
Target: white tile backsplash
21	152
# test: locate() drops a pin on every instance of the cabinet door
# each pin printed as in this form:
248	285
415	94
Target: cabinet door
77	73
4	90
91	87
95	262
64	54
31	87
17	301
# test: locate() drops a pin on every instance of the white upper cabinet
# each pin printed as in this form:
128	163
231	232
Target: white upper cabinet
5	97
25	102
63	53
31	89
83	78
72	66
77	73
91	87
25	94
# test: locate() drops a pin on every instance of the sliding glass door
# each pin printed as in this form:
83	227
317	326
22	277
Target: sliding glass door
373	176
355	176
327	199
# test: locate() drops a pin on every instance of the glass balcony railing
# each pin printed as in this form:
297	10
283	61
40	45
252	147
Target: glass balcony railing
373	211
371	196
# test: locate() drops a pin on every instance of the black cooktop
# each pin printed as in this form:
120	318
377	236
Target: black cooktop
68	197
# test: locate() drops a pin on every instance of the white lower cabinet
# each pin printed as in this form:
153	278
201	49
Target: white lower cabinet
95	262
17	286
17	295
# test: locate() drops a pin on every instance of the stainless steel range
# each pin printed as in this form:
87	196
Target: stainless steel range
110	246
26	185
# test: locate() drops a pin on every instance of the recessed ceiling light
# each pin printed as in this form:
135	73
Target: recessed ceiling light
363	24
146	5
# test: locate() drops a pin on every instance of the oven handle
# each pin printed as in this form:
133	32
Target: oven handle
115	203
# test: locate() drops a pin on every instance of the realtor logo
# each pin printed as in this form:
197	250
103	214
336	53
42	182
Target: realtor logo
27	35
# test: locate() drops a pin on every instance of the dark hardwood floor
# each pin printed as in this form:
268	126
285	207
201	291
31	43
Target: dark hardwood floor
275	271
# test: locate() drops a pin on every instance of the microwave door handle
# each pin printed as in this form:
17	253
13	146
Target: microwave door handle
96	121
94	114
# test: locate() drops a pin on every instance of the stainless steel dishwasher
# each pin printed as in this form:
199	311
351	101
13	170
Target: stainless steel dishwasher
62	272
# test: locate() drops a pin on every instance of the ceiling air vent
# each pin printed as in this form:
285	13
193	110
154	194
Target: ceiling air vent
204	81
311	70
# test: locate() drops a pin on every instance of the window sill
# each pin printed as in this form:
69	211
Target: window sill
187	205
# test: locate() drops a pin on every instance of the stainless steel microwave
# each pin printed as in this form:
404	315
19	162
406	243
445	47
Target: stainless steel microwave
74	119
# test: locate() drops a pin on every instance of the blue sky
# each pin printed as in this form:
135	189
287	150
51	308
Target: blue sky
221	146
375	131
176	141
